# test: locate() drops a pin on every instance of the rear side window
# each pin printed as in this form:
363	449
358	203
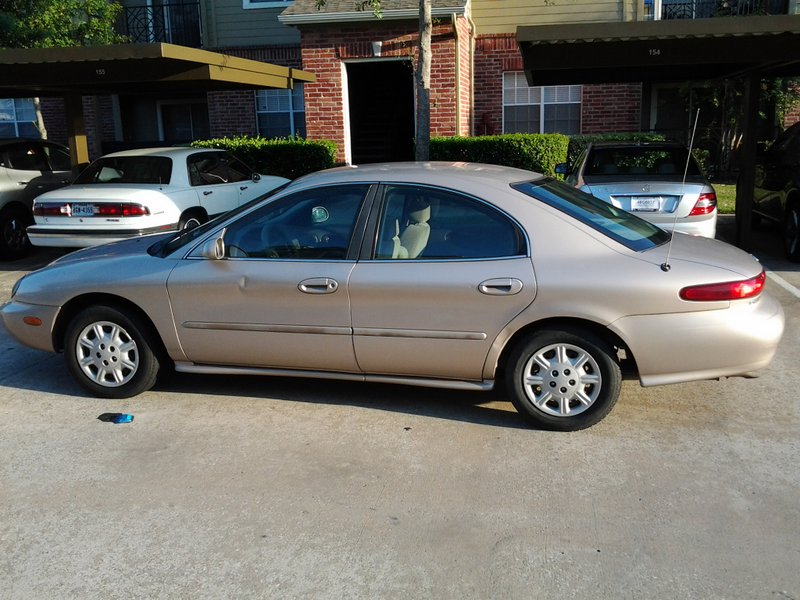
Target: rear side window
25	157
623	227
433	224
214	168
128	169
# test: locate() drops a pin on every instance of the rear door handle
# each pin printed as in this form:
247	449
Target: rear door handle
207	192
318	285
503	286
243	187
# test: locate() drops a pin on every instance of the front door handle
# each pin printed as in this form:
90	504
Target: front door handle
208	192
504	286
318	285
243	187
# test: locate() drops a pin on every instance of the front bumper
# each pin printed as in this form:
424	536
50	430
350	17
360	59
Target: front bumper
35	336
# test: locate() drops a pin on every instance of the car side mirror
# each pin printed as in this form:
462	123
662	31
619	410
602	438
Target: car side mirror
562	169
256	177
214	247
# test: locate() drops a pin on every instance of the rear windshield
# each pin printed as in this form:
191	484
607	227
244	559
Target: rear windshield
623	227
128	169
640	160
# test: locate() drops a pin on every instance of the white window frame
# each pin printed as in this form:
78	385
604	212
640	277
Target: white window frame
15	121
540	92
292	111
248	4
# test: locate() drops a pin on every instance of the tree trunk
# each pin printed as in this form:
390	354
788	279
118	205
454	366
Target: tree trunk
39	118
422	151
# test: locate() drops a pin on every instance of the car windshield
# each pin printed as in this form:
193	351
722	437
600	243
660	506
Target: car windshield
167	246
635	161
128	169
623	227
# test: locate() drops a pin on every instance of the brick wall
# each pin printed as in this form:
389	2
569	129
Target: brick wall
605	108
325	49
234	113
611	108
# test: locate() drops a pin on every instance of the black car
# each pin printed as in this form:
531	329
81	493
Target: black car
776	196
27	168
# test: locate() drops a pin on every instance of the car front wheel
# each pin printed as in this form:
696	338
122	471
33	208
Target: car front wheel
110	354
791	232
14	242
563	380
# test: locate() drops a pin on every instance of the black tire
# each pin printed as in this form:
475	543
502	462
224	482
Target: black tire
111	355
563	379
14	242
791	231
191	219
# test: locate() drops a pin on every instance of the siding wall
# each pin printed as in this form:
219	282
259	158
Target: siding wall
504	16
226	23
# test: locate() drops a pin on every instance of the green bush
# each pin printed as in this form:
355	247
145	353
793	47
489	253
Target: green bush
288	158
534	152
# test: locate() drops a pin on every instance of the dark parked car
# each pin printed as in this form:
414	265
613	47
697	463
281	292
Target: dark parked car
27	168
776	197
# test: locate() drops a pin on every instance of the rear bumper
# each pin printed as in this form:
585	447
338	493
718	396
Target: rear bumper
715	343
42	235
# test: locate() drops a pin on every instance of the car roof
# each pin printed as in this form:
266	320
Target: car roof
445	174
171	152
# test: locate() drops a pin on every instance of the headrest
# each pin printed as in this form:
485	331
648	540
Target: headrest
420	211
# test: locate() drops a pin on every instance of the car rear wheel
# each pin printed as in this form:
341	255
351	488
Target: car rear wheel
110	354
191	219
14	242
563	380
791	231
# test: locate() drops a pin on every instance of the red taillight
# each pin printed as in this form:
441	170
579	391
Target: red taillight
730	290
54	209
120	210
705	204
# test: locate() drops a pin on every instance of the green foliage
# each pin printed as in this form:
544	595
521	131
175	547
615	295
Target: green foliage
58	23
534	152
578	142
284	157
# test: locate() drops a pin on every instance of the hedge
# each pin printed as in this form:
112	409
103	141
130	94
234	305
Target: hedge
534	152
288	158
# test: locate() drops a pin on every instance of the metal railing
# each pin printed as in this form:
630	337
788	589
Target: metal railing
171	22
703	9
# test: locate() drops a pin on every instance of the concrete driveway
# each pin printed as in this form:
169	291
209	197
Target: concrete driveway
277	488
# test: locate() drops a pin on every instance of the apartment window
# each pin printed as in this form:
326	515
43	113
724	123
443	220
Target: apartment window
545	109
281	113
265	3
18	118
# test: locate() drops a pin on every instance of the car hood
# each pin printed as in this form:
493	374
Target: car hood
686	250
137	245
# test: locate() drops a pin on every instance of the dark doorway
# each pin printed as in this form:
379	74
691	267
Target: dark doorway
381	96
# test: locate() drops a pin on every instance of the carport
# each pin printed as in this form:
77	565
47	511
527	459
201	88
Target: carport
750	47
80	71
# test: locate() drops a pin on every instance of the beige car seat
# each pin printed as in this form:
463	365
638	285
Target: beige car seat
413	239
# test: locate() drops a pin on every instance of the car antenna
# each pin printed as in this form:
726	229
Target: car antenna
665	266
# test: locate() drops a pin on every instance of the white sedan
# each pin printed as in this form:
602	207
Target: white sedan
138	192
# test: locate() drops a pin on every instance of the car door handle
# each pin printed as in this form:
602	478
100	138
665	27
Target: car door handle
243	187
207	192
504	286
318	285
23	182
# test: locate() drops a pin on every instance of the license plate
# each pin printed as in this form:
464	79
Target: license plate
645	204
83	210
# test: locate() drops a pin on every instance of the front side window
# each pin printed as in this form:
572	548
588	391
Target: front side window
547	109
214	168
434	224
623	227
281	113
18	118
58	158
309	225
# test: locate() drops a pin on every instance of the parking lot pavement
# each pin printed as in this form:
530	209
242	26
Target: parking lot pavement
276	488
